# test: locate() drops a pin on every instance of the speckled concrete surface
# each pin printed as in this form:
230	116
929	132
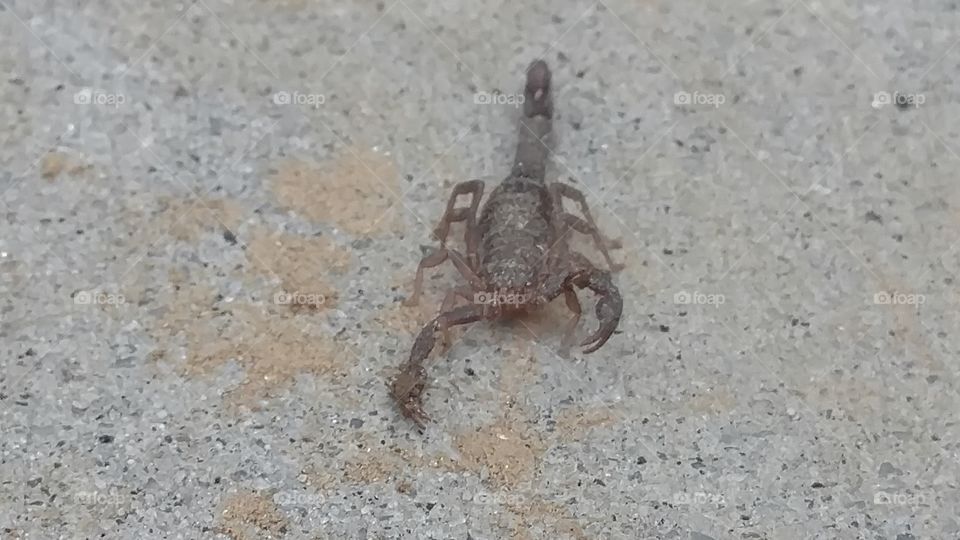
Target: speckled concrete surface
210	212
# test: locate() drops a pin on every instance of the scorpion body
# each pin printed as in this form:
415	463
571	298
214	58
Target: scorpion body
517	257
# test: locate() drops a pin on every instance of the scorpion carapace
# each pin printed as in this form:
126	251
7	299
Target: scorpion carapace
516	256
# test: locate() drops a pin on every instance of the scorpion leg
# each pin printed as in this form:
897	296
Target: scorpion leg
451	215
560	190
429	261
436	258
582	226
407	389
449	302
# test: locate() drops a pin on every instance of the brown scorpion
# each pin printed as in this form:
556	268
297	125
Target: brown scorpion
517	257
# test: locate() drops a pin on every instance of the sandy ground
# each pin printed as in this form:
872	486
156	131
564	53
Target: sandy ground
210	213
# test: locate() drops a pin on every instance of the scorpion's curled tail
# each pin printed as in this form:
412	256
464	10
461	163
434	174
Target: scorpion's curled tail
536	93
536	123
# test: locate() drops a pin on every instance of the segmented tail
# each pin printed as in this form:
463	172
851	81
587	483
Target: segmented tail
536	124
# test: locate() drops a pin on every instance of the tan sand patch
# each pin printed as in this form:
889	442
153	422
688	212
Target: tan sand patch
715	401
554	517
55	163
379	465
303	265
251	515
507	454
272	348
187	219
358	192
575	423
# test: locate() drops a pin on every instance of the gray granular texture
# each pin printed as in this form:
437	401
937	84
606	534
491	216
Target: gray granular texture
210	212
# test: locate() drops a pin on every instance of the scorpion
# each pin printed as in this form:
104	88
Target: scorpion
517	258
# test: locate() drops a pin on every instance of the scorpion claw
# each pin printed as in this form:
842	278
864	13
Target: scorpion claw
416	415
407	390
598	338
608	312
